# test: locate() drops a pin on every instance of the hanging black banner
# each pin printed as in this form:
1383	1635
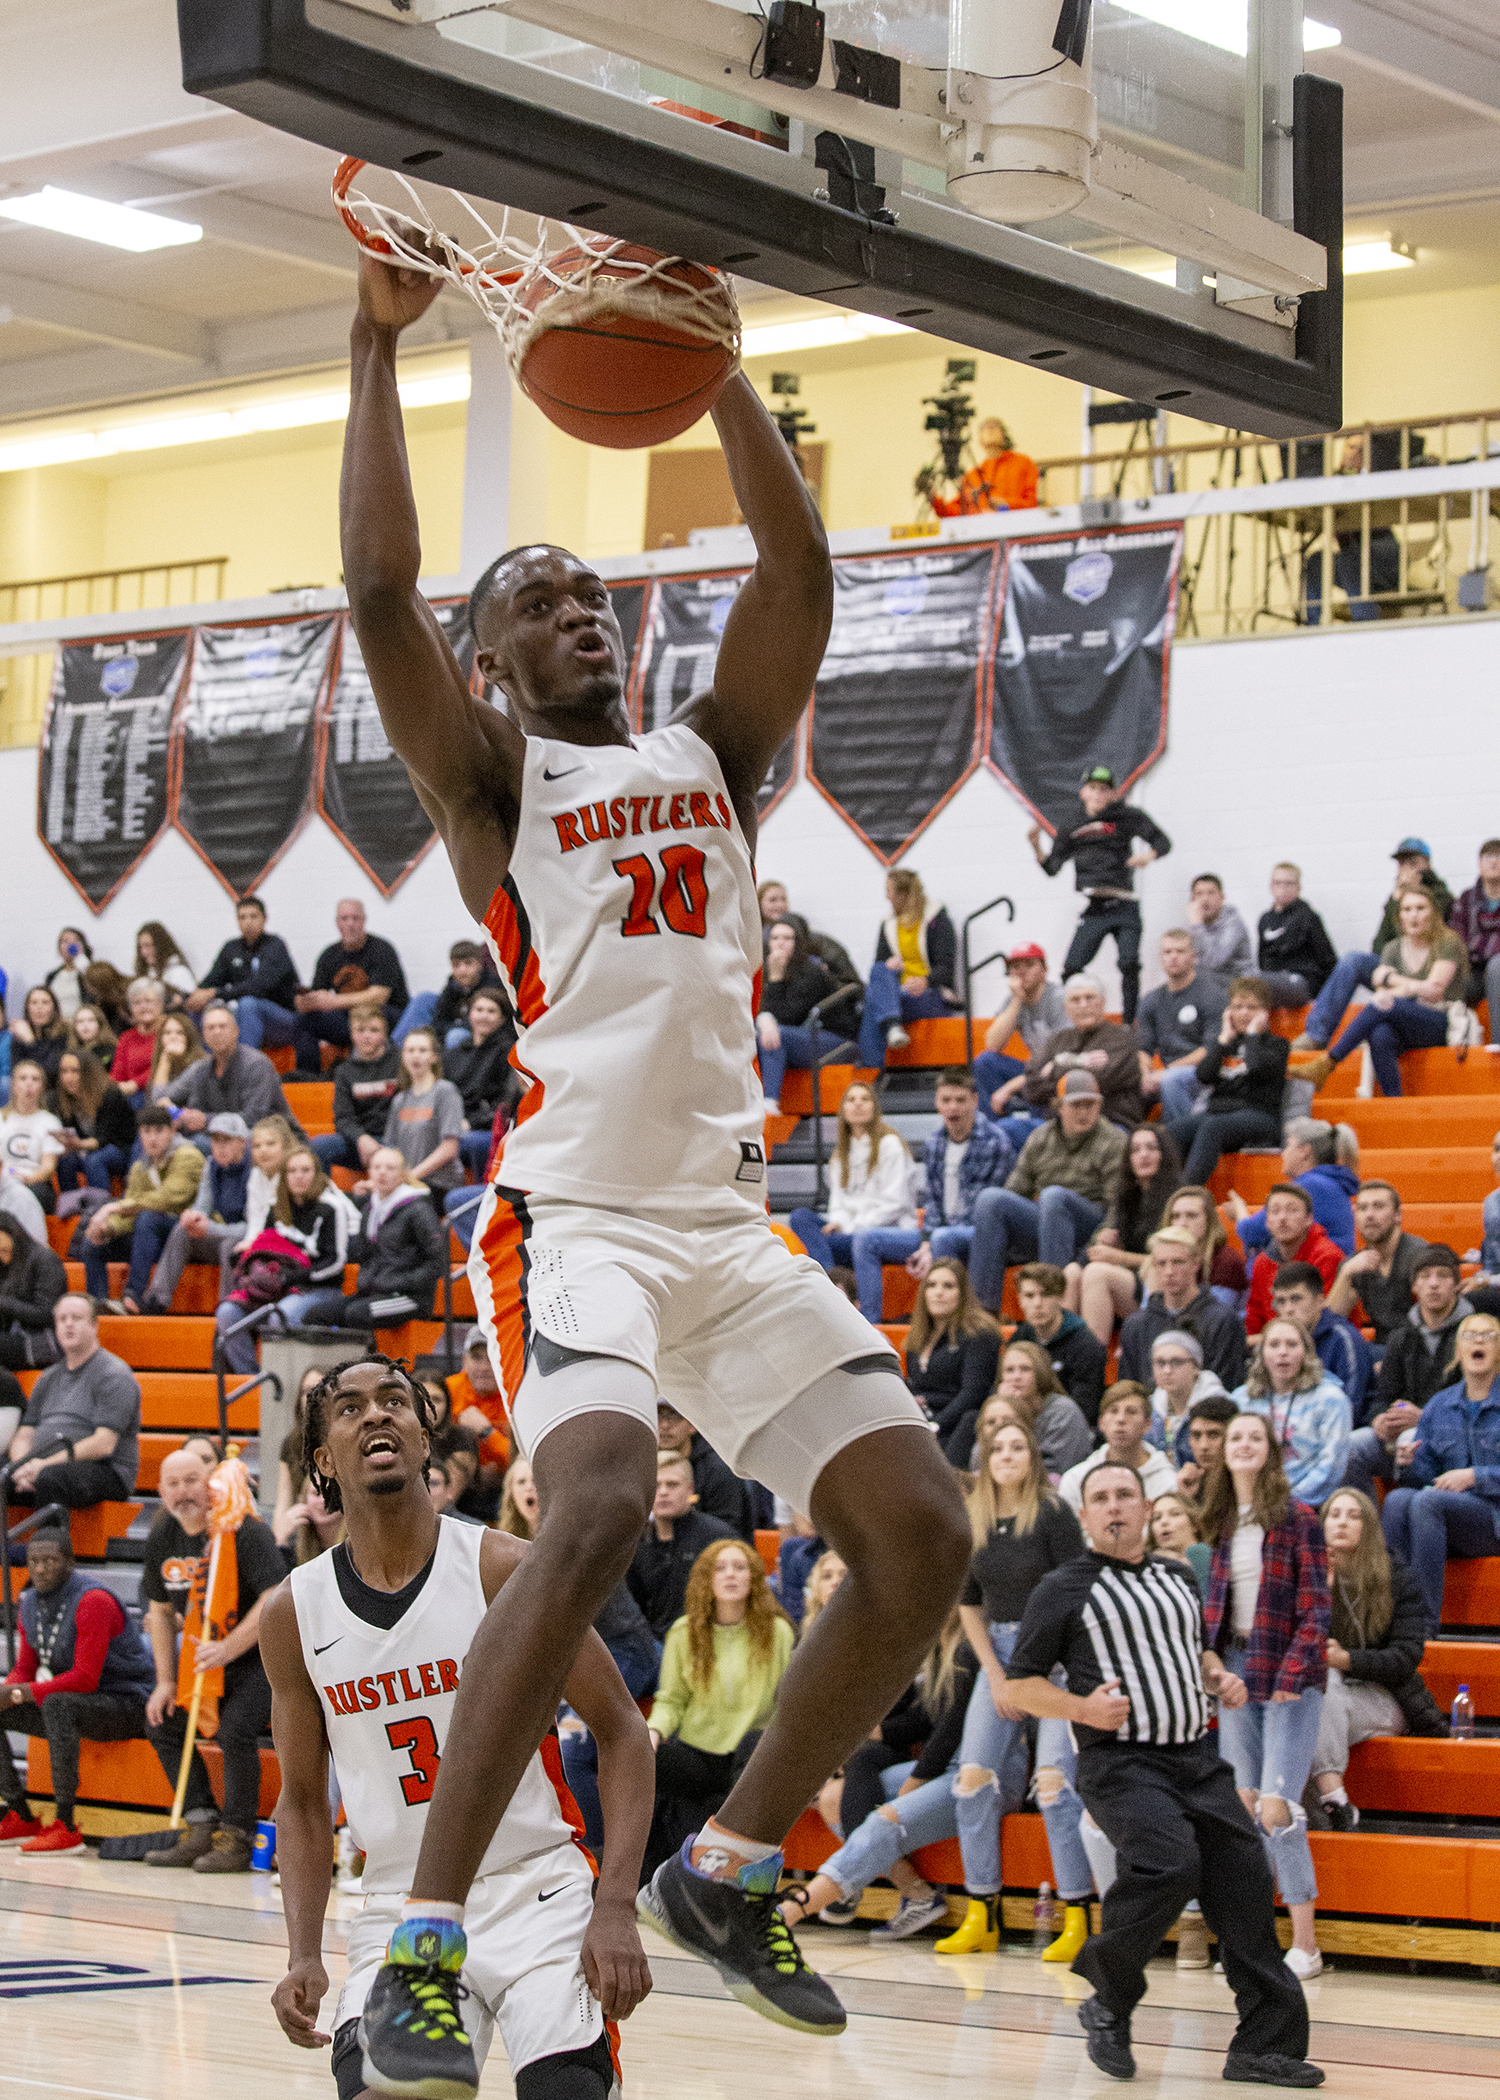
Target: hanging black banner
247	736
679	646
629	602
1081	661
896	713
102	781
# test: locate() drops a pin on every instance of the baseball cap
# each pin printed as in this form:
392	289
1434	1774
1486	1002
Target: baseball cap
228	1124
1029	951
1412	846
1098	776
1077	1084
474	1341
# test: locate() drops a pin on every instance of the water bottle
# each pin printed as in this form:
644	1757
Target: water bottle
1463	1716
1044	1925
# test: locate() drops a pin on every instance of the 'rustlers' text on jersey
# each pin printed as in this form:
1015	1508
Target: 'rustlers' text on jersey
629	936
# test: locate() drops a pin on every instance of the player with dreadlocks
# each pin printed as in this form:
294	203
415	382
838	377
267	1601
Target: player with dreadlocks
364	1648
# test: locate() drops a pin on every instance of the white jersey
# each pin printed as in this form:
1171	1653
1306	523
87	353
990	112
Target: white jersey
629	936
387	1703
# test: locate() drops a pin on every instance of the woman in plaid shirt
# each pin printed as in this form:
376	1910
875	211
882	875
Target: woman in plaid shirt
1267	1616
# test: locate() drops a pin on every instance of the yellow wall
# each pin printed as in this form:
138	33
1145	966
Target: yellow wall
1433	354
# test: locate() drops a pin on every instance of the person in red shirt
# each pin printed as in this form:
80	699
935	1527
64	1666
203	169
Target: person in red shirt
82	1671
1003	480
1294	1236
136	1050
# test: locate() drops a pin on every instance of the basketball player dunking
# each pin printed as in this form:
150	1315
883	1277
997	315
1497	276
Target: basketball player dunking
365	1648
625	1248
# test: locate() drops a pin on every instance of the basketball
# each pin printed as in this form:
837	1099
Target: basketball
623	348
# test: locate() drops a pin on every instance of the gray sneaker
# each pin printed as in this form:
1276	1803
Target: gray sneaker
915	1915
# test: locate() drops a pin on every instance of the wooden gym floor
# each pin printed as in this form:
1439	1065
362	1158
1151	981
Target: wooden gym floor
121	1989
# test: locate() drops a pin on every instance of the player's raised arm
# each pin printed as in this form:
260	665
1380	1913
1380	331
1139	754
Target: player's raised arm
778	626
304	1827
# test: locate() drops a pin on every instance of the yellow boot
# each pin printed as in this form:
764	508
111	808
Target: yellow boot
979	1932
1075	1931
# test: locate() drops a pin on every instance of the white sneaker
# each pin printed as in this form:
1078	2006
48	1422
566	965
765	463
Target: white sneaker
915	1915
1303	1966
897	1038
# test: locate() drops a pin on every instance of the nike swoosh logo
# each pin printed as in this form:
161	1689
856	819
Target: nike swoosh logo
328	1644
719	1934
547	1898
563	774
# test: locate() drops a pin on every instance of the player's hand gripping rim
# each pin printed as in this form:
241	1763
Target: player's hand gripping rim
295	2001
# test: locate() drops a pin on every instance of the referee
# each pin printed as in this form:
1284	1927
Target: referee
1128	1630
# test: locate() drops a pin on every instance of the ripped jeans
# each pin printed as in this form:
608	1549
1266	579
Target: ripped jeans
996	1748
1271	1749
1080	1859
925	1816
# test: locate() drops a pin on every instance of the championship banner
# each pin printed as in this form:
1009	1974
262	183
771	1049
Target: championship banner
102	782
681	629
1081	662
896	713
246	738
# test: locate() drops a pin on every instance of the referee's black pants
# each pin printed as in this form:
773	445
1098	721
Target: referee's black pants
1180	1829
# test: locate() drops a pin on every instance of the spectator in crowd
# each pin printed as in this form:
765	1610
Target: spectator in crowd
1294	954
301	1523
1419	975
1035	1010
1309	1158
827	1573
178	1046
270	1142
798	1554
1075	1353
1379	1277
31	1143
81	1674
720	1669
1475	917
952	1349
1221	939
88	1030
1029	1383
869	1183
1446	1505
158	958
401	1249
792	983
520	1505
1003	479
774	905
41	1030
32	1279
1342	1350
365	1083
1055	1196
1418	1360
479	1066
1176	1022
1021	1532
255	977
358	969
106	988
446	1012
310	1218
473	1398
677	1532
457	1446
1306	1407
1414	873
1108	1286
1346	556
1180	1382
176	1549
967	1156
1098	843
1244	1070
82	1420
1183	1302
1174	1534
136	1226
135	1052
1092	1044
915	972
1489	1252
65	979
232	1079
721	1493
1375	1645
1267	1617
1208	1421
426	1119
1123	1421
1292	1234
98	1127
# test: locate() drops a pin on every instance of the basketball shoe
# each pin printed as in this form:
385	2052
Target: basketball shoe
411	2036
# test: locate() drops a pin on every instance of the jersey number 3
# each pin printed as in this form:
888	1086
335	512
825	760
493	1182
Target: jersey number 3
418	1739
684	892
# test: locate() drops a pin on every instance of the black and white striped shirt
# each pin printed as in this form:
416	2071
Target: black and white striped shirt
1140	1622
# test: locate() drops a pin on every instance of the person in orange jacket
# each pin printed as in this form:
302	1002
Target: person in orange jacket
1004	479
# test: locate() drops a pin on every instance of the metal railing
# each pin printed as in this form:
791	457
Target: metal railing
972	969
222	1369
814	1023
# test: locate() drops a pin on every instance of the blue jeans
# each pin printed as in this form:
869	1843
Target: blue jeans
312	1031
1009	1228
797	1050
1489	1252
474	1150
418	1013
992	1069
872	1250
1429	1527
886	1004
462	1211
92	1170
1271	1749
149	1234
262	1021
1073	1877
830	1250
1349	973
1407	1024
925	1816
997	1748
1180	1088
239	1350
336	1151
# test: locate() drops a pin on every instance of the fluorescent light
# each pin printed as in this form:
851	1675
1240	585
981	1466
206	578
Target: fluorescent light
296	413
1361	257
778	339
1222	23
91	219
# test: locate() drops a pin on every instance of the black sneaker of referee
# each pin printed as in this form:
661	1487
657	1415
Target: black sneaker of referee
1107	2035
737	1927
1243	2069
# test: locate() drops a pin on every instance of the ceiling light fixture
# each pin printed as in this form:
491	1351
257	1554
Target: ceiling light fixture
1361	257
91	219
1222	23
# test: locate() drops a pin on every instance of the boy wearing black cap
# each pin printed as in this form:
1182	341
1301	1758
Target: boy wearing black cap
1099	844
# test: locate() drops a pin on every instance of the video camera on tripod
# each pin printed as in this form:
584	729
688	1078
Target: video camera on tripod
952	413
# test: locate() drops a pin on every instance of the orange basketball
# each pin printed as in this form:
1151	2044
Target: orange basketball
607	357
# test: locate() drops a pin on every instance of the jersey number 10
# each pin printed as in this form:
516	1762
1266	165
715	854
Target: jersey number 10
684	892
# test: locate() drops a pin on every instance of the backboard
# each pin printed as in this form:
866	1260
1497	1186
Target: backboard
1146	198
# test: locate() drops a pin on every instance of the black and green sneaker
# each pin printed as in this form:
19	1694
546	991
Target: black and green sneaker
737	1927
410	2034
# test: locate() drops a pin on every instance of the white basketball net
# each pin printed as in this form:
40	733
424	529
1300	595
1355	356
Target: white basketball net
510	273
